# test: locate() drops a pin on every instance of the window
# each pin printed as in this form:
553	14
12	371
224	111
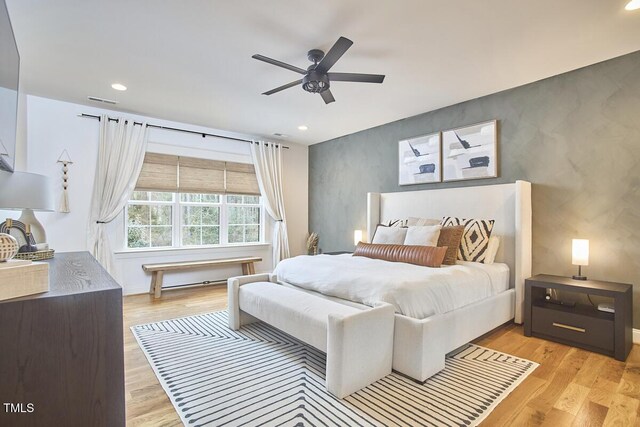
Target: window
243	218
161	219
150	220
200	219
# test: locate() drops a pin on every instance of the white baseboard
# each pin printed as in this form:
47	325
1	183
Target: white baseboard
636	336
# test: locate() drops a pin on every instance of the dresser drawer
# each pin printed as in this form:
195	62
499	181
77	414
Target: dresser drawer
576	329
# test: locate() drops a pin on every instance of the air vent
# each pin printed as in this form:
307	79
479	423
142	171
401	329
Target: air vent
105	101
280	135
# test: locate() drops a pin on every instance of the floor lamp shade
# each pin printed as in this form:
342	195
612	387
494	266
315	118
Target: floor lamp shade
27	192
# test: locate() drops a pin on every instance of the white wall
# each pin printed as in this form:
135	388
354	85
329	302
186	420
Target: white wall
53	126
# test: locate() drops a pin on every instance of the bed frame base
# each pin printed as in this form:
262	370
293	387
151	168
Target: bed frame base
420	346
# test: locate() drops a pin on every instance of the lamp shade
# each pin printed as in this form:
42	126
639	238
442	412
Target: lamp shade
23	190
580	252
357	236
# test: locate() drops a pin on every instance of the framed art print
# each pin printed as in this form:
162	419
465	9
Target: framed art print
470	152
419	160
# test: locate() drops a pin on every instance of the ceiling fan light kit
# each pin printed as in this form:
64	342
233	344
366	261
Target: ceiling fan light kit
317	78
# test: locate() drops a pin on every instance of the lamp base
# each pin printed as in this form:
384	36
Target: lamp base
579	277
37	230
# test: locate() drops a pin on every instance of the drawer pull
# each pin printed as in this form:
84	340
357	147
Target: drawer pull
571	328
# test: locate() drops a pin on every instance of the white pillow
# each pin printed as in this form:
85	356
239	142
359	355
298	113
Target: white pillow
423	235
492	249
413	221
389	235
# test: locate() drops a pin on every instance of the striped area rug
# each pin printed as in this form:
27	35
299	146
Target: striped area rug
259	376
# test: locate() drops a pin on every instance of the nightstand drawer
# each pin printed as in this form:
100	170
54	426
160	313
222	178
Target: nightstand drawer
573	328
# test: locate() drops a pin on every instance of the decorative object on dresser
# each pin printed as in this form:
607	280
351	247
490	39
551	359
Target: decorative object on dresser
28	192
63	350
22	277
419	160
8	247
157	270
65	159
580	324
24	238
580	256
470	152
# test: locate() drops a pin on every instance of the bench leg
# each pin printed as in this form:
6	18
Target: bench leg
158	285
152	288
248	268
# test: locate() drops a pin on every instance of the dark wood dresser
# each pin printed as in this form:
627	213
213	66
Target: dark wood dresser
61	352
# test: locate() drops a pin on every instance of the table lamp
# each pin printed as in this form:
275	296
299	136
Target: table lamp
580	256
28	192
357	237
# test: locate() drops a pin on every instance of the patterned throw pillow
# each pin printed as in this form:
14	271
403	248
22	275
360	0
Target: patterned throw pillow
413	221
395	223
475	238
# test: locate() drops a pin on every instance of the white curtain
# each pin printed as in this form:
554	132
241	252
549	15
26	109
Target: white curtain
120	157
267	159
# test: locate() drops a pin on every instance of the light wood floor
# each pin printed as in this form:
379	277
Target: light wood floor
571	387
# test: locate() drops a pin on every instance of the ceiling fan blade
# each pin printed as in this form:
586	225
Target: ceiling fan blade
355	77
327	96
279	64
283	87
335	53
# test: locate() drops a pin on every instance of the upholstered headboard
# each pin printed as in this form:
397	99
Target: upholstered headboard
508	204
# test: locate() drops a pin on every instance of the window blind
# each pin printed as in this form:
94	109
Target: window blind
159	173
200	176
241	179
163	172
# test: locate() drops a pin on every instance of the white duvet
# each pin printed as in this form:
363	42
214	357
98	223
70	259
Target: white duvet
415	291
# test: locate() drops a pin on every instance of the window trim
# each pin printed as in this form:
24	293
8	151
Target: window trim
176	224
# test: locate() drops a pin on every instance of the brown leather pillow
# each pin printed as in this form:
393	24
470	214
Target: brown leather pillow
451	237
428	256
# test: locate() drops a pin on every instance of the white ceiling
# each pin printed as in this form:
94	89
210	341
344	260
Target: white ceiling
190	61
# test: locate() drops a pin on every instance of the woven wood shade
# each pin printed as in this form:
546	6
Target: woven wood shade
159	173
201	176
162	172
241	179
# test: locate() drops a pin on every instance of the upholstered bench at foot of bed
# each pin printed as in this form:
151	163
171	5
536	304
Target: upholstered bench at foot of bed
358	343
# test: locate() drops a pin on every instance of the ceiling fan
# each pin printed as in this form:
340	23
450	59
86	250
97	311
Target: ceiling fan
317	78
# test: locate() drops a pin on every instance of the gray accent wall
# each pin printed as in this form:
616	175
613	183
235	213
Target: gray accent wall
575	137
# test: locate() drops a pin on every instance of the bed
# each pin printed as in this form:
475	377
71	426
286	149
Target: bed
423	335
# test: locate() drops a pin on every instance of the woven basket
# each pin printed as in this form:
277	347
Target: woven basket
36	256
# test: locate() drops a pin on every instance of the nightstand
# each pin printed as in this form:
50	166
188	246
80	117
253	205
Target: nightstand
580	325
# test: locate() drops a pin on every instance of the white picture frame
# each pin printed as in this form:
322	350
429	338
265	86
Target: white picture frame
470	152
420	160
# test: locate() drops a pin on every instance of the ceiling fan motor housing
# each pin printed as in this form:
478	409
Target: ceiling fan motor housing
315	82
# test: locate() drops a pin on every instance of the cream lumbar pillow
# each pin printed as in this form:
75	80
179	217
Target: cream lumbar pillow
389	235
423	235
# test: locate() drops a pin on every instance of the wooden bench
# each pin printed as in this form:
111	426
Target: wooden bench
157	270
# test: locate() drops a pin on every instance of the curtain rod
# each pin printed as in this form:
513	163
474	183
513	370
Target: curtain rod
91	116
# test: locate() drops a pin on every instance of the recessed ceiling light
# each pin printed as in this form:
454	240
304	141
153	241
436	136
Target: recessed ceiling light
119	86
302	127
633	5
